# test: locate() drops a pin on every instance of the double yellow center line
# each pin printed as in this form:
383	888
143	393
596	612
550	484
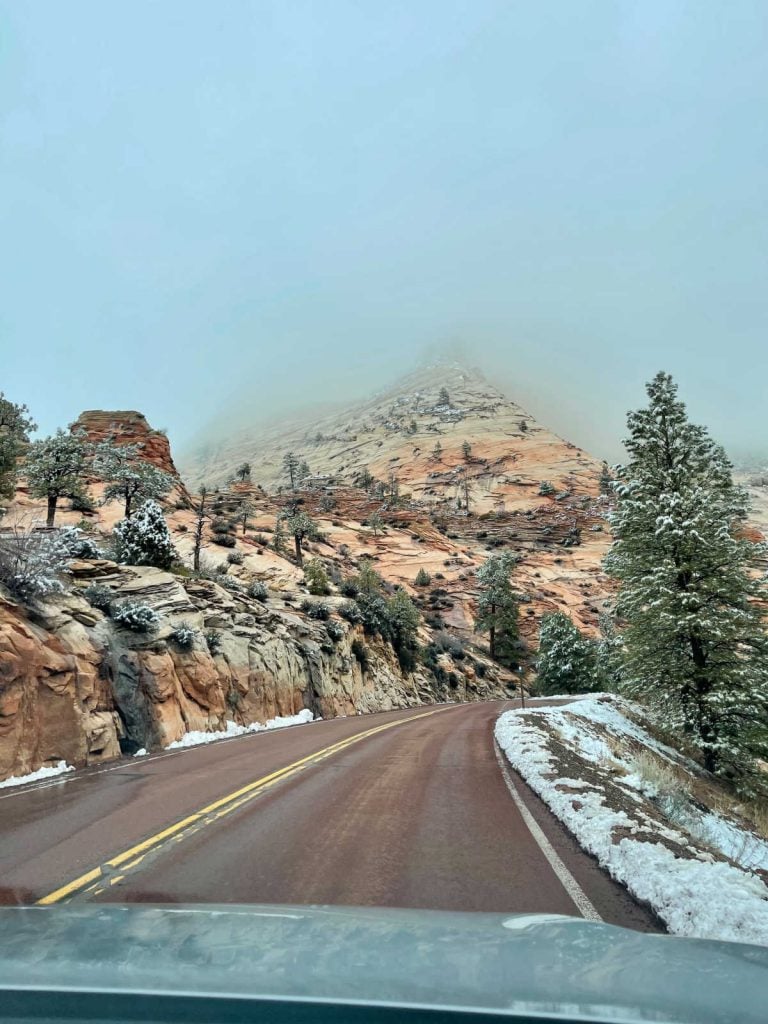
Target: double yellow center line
115	869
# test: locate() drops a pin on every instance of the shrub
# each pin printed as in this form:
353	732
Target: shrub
139	618
360	653
316	578
31	563
451	645
98	595
258	591
316	609
224	540
78	544
350	612
423	579
235	558
546	490
144	539
348	588
213	640
184	635
82	503
335	631
231	583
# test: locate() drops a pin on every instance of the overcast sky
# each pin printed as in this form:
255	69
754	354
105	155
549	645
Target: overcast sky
250	204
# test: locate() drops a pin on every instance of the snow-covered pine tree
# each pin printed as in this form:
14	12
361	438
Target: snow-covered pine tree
695	644
129	477
56	467
144	539
566	659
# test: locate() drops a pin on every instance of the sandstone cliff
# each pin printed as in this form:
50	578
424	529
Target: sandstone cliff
74	686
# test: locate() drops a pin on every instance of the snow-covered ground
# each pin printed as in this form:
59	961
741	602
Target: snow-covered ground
41	773
194	739
645	833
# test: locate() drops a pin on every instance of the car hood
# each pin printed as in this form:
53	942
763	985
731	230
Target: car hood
470	961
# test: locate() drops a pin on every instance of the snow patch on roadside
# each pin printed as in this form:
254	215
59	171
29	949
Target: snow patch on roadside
695	895
41	773
196	738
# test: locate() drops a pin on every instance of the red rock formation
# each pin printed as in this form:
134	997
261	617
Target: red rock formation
128	427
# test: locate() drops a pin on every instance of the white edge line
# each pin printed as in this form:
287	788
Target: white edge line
569	883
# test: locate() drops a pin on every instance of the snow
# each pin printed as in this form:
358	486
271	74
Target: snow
698	896
41	773
141	752
195	738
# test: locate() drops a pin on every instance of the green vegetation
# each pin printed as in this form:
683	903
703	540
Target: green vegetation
497	608
566	661
694	643
15	427
144	539
56	467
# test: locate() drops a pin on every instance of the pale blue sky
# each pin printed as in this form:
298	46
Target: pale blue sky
215	204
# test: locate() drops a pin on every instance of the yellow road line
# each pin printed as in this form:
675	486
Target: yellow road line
207	815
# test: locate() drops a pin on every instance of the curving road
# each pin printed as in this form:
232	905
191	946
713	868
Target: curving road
402	809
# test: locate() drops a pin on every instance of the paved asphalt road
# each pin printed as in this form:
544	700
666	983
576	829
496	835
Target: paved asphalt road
406	809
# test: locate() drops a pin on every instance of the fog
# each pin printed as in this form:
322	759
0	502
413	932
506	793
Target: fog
219	213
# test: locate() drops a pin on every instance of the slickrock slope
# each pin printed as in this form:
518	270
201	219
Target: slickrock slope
560	539
395	433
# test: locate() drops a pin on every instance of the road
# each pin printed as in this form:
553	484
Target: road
403	809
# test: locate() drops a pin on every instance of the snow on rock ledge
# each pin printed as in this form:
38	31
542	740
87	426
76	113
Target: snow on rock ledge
609	811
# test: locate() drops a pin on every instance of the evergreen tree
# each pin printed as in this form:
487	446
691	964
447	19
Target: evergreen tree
695	644
129	477
376	523
201	514
566	660
144	539
291	464
244	472
466	451
403	617
606	480
316	578
278	537
301	528
443	397
15	427
56	468
497	607
437	451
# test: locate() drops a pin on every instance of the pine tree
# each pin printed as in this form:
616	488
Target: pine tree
291	464
15	427
566	659
56	468
244	471
403	616
437	451
129	477
466	450
376	523
316	578
201	514
695	644
301	527
144	539
443	397
497	607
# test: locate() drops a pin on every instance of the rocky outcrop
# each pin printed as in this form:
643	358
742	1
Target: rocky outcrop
128	427
75	686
